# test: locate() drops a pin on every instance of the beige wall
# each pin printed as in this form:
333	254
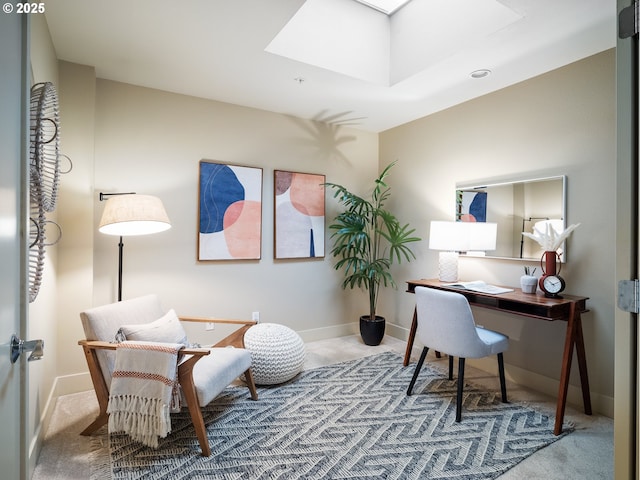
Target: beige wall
558	123
151	142
75	250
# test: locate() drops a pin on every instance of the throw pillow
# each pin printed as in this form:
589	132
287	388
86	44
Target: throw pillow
166	329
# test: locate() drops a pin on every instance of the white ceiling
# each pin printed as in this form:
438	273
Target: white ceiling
336	60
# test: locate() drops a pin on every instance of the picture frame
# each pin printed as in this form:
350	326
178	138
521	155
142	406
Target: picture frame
299	215
229	212
471	206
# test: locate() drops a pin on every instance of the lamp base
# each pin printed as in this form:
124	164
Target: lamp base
448	267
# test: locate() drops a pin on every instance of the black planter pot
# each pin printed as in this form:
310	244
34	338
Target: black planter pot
372	331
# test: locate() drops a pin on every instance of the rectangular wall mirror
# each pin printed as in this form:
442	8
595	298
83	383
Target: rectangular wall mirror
516	206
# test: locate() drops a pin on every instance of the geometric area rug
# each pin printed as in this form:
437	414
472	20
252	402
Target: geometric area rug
351	420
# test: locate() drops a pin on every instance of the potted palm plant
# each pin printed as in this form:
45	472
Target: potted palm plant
367	240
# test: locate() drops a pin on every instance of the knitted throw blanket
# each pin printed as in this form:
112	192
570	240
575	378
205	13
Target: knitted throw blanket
141	390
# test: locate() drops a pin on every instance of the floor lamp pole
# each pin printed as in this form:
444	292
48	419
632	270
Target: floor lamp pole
120	248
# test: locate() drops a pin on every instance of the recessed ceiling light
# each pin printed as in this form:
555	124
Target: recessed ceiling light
480	73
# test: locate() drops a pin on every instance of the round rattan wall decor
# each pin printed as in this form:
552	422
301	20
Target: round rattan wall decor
44	176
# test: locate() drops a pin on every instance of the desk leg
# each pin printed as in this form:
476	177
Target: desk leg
412	336
566	369
582	366
573	337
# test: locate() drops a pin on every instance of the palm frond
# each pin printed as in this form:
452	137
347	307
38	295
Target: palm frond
367	238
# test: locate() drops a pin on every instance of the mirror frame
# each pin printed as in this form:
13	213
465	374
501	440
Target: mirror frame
483	184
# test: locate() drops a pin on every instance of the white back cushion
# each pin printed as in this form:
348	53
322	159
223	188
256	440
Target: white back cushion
102	323
166	329
446	324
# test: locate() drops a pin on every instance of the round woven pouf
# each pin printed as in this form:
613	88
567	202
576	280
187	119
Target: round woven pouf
277	353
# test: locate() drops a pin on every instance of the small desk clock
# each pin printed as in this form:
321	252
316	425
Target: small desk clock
551	283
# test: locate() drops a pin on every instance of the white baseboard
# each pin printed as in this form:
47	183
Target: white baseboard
76	383
396	331
315	334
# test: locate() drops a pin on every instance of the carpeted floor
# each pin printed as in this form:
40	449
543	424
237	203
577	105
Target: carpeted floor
586	453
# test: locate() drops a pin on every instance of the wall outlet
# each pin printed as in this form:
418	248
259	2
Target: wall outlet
255	316
209	326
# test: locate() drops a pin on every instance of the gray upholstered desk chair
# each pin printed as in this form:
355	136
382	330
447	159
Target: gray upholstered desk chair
203	373
446	324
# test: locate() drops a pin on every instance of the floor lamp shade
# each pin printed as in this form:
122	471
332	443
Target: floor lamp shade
132	214
453	237
129	215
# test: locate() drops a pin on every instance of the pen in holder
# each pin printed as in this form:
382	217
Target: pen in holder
528	282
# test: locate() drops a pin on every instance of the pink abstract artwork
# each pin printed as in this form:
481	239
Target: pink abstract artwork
299	215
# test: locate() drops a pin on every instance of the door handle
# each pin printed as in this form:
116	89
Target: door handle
36	347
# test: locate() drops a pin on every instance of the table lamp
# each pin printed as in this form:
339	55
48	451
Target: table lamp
128	214
454	237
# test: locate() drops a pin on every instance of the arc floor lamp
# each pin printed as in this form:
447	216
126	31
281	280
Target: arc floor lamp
129	214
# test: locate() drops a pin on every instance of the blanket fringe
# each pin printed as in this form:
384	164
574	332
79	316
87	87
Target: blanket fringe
138	416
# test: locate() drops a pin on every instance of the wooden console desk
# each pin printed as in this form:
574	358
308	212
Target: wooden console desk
568	308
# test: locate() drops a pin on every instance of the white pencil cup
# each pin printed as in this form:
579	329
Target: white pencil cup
528	283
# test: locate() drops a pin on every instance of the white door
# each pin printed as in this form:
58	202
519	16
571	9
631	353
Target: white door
627	361
13	303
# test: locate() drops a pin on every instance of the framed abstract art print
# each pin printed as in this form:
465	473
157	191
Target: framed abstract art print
298	215
229	212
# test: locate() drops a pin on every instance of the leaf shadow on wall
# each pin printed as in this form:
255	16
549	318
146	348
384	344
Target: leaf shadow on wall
324	135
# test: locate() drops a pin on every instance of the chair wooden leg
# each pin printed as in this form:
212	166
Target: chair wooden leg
248	377
423	355
460	387
198	421
101	389
450	367
503	383
185	376
101	420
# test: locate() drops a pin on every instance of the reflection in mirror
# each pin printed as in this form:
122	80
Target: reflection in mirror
516	206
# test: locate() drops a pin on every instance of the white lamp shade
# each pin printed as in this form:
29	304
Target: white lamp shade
132	214
462	236
454	237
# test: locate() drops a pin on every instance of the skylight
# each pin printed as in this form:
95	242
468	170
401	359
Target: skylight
388	7
353	39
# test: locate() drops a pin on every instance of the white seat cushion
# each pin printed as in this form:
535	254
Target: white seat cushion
495	341
228	363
